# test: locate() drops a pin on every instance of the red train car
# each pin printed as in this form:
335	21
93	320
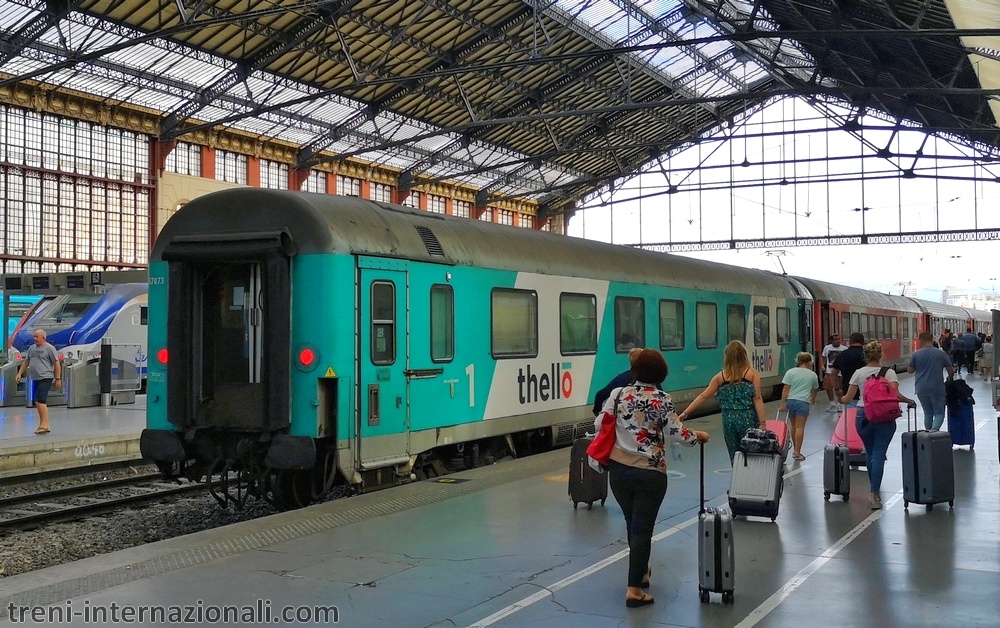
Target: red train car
891	319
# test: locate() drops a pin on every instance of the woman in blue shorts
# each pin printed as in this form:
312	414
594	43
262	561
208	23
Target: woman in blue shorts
799	392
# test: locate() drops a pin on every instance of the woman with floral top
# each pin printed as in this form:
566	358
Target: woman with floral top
644	419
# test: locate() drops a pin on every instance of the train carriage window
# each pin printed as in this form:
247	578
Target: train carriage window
514	323
577	324
784	323
906	328
872	329
893	327
143	315
880	326
845	325
860	323
630	323
706	325
671	324
442	323
383	316
761	325
736	322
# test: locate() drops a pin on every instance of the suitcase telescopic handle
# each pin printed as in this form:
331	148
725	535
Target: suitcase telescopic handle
701	457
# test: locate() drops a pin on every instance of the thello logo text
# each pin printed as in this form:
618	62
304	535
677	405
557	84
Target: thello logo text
555	383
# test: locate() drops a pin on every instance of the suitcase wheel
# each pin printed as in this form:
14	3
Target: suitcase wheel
951	504
906	504
826	495
727	597
847	497
590	505
602	501
575	505
705	596
930	507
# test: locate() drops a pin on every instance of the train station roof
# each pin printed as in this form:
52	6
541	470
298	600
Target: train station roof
549	100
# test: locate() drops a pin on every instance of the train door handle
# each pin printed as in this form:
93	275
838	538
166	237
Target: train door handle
373	401
399	402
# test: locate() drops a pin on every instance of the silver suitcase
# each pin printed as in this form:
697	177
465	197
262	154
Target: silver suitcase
716	561
756	486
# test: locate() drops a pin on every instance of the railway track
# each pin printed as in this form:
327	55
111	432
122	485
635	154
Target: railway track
33	510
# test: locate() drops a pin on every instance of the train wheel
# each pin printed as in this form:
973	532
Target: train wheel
292	489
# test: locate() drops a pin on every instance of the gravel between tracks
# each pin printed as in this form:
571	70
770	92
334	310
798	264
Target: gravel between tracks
21	552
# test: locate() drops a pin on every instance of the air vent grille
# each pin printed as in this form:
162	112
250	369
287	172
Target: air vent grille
430	241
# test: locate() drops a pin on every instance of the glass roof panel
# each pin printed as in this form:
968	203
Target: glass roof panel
648	22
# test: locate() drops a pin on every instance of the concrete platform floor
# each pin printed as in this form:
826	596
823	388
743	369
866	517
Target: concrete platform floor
79	437
503	546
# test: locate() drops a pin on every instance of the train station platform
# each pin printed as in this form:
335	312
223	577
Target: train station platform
79	437
503	546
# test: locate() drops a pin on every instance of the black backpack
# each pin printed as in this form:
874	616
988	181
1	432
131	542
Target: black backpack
956	389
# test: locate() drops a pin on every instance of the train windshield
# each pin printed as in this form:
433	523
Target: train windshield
71	308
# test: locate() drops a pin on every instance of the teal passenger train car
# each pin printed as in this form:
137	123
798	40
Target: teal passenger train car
302	341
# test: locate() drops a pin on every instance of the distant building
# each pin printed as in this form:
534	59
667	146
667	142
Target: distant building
974	298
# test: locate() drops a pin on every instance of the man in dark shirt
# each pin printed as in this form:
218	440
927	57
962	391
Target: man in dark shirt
847	362
622	379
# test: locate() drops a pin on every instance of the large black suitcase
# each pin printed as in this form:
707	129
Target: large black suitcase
836	471
586	485
837	463
716	558
928	468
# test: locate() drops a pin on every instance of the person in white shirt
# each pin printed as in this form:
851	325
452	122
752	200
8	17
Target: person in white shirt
829	355
875	435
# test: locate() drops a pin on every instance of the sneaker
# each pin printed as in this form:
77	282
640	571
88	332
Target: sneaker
876	502
833	407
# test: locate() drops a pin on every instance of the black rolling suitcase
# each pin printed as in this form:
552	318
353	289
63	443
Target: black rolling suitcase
928	467
837	466
586	486
716	561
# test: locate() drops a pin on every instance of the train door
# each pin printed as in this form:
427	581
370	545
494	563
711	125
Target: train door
230	346
906	336
824	327
384	342
228	330
231	343
805	326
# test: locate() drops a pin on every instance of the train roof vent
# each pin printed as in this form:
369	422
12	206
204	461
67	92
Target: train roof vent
430	241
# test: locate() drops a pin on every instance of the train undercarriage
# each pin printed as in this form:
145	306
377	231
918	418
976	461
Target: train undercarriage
236	466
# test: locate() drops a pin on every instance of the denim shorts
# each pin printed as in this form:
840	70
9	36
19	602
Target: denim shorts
42	387
797	408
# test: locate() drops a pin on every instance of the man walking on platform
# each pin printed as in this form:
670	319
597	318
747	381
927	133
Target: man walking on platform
42	364
927	362
847	362
829	355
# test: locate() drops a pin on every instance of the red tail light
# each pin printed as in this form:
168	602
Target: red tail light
162	356
307	356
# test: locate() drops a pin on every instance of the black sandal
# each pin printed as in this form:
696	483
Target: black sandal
637	602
